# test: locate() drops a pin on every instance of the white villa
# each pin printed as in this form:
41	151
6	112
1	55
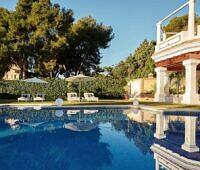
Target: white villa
13	73
180	52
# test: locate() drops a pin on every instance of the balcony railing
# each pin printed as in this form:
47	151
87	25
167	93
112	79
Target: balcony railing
173	40
164	43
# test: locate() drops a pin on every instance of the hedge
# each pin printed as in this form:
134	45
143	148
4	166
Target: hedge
103	87
52	90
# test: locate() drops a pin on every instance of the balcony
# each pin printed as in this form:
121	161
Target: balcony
178	43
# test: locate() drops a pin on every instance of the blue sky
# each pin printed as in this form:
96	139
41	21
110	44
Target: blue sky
132	20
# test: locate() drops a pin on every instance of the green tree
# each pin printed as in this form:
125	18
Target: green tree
176	77
137	65
4	50
121	70
33	29
81	53
178	24
48	68
19	34
51	24
144	62
45	32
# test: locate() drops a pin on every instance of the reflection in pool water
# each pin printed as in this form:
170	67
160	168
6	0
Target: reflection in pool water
85	139
177	140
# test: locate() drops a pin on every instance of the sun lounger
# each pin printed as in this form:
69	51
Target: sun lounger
39	97
73	97
90	97
24	97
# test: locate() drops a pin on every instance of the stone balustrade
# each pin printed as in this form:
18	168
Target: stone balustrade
171	41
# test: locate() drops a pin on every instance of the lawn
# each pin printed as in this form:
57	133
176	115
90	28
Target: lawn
66	103
151	104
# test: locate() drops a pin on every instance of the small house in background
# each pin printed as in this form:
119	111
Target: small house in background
13	73
144	87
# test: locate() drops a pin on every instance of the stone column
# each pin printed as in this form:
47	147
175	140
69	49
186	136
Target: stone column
166	123
161	84
191	96
191	19
158	33
160	129
198	78
190	135
166	86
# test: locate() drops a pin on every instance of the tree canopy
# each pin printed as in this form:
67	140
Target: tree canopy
47	33
84	42
4	49
137	65
179	23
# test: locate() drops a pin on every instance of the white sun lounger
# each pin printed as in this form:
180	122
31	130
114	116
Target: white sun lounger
73	97
24	97
90	97
39	97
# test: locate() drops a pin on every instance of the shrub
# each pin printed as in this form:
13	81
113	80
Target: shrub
8	96
106	87
52	90
103	87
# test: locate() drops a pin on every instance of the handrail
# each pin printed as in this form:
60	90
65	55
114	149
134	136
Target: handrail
177	10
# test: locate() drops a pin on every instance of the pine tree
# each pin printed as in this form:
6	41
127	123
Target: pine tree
137	65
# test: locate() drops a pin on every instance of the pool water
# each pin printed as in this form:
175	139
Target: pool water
74	139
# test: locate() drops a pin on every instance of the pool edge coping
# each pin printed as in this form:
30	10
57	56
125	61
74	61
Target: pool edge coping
141	107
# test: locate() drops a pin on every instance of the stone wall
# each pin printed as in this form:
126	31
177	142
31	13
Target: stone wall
142	86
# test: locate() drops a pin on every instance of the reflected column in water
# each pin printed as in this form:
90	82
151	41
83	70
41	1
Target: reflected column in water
140	116
156	157
160	126
190	135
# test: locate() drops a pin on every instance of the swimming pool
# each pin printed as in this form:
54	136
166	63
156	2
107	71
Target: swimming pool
106	138
75	138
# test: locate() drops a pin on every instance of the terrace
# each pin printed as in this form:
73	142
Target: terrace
168	42
178	52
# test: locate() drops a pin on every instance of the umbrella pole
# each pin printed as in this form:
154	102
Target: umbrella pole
80	89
